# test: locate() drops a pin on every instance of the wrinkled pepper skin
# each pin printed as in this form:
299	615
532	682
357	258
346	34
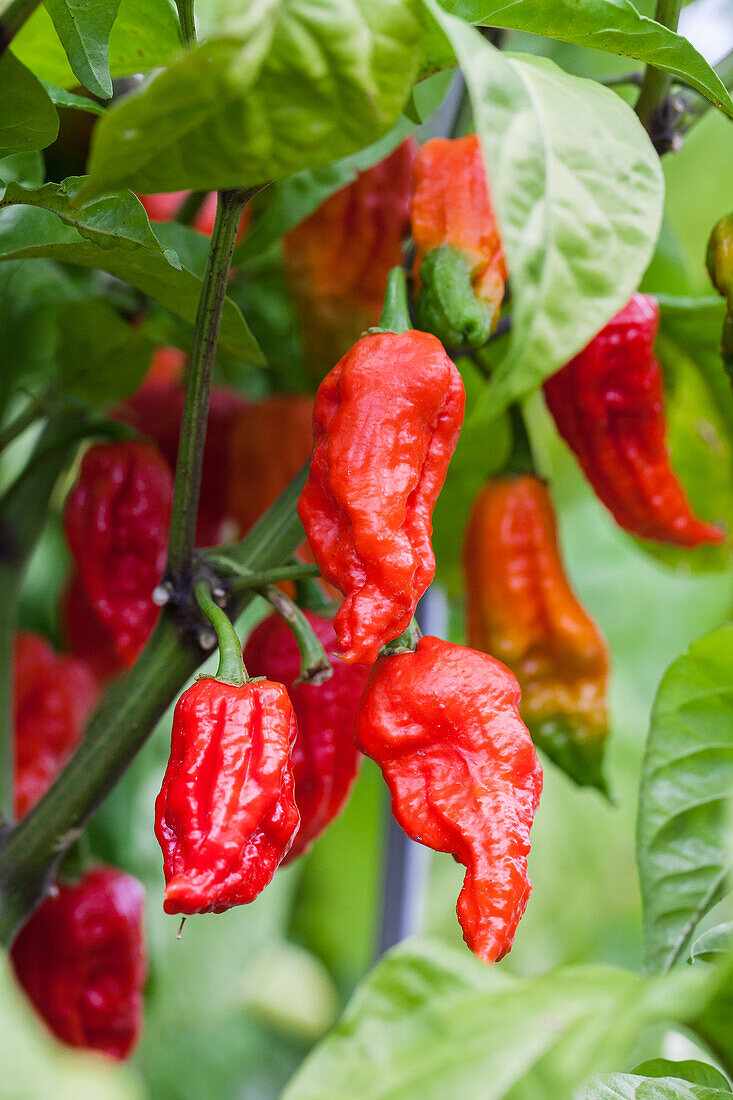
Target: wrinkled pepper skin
386	422
226	816
116	520
443	725
84	635
459	269
81	959
520	608
338	259
325	758
268	445
608	406
155	411
53	695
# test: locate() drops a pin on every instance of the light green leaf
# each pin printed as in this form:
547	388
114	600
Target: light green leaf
291	86
25	168
100	358
431	1022
695	1073
699	416
61	98
114	235
289	201
624	1086
28	118
578	191
614	26
714	943
145	35
687	779
83	27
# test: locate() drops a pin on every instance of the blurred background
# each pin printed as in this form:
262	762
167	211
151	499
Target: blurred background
235	1002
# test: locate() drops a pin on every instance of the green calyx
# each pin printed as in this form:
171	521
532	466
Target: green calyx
447	305
720	258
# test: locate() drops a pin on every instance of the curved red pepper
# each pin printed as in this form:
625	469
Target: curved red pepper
116	520
443	725
81	959
225	816
53	697
386	422
608	406
325	758
155	411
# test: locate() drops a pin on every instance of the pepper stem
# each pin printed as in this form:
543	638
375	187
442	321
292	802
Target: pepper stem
520	460
395	311
406	643
315	667
310	595
231	668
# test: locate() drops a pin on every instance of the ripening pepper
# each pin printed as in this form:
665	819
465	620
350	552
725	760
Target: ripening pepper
720	270
338	259
81	959
443	725
155	411
53	695
226	816
459	269
116	520
520	608
386	422
608	406
325	758
267	445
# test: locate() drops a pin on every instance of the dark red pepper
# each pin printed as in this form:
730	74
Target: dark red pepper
225	816
608	406
325	758
83	633
53	696
116	520
443	725
81	959
386	423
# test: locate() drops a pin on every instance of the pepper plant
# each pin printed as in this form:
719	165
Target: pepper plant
528	173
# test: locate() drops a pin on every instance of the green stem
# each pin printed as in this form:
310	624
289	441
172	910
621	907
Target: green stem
239	580
310	595
231	668
315	667
188	22
12	19
396	311
656	83
521	459
31	851
406	643
198	386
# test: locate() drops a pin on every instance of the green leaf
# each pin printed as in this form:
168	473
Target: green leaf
431	1022
291	86
145	35
687	778
25	168
578	191
28	118
614	26
114	235
100	358
624	1086
712	944
696	1073
699	416
61	98
289	201
84	28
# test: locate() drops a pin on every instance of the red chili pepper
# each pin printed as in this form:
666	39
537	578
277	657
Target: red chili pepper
338	259
83	633
443	725
225	816
156	410
386	422
53	697
608	406
116	520
325	758
166	365
164	206
81	959
459	269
